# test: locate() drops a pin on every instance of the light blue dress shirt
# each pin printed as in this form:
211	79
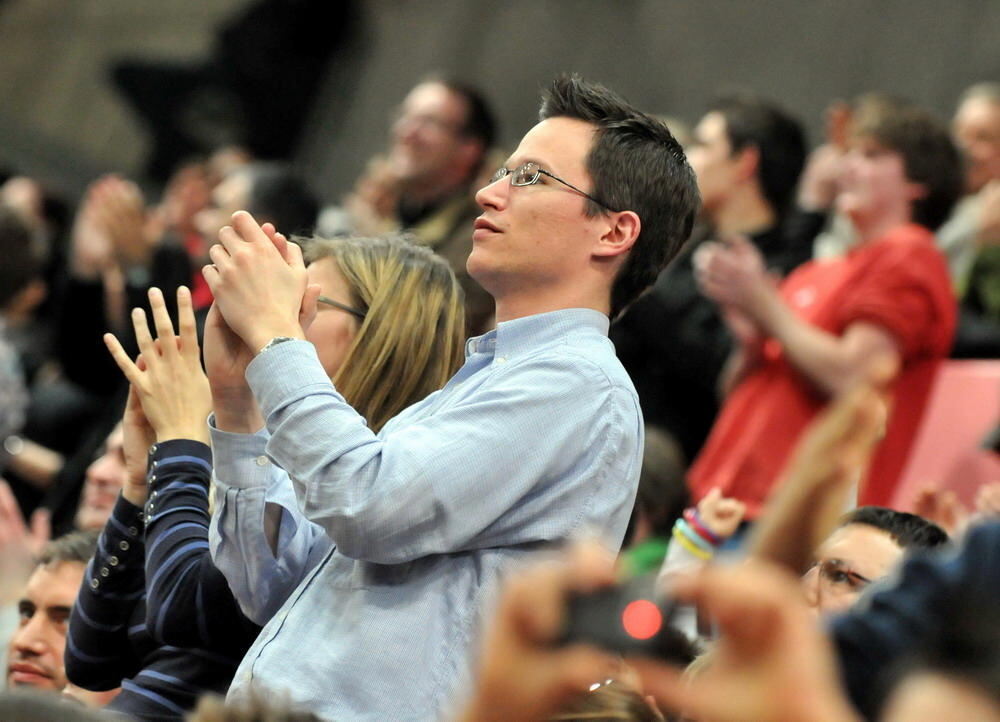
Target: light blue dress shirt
391	546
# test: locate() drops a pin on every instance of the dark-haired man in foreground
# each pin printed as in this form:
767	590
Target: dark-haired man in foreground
389	547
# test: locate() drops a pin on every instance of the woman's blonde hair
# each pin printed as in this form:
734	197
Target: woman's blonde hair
411	340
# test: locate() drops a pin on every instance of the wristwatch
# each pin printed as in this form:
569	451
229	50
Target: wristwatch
274	342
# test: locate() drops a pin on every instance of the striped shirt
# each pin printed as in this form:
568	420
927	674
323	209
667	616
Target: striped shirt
154	615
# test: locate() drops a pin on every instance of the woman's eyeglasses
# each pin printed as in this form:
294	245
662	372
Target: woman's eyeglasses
342	306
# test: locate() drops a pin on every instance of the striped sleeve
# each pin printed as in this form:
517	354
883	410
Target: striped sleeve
189	603
98	651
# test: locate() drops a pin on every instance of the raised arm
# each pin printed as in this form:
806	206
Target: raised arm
188	600
733	274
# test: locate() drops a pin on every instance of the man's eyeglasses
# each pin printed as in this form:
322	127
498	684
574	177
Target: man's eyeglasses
342	306
529	173
837	578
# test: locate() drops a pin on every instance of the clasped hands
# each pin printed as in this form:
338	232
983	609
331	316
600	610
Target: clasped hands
259	282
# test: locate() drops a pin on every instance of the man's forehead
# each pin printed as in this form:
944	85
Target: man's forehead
559	144
55	584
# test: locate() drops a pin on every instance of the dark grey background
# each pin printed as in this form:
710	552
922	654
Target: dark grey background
60	120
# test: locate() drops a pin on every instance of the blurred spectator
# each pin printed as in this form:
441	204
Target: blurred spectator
869	542
819	332
425	183
747	155
19	274
971	237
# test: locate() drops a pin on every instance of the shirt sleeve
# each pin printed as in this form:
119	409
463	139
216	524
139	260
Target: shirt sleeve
98	652
906	290
188	602
462	475
246	481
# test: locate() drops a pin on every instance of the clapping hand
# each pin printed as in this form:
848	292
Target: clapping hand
168	380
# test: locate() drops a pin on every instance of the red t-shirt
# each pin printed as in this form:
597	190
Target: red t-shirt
900	283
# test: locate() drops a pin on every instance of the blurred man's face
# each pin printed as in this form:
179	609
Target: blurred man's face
104	480
35	657
976	128
428	147
874	185
230	195
850	559
711	158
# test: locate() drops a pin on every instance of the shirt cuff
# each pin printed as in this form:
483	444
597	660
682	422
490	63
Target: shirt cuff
241	461
286	373
121	555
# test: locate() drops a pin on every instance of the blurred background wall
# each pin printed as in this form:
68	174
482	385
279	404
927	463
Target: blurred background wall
61	119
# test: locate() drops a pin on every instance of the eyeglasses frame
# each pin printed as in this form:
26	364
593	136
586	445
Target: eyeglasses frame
503	172
342	306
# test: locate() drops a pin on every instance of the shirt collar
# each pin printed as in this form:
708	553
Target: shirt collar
526	334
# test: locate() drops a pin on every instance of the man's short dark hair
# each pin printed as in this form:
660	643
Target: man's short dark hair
20	264
752	122
636	164
480	123
909	531
77	546
278	195
930	158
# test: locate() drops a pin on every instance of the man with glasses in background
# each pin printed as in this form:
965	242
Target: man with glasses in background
440	137
537	438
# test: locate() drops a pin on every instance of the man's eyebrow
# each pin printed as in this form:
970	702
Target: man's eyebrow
59	609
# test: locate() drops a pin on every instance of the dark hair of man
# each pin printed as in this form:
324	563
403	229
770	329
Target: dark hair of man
20	264
480	123
930	158
909	531
635	164
278	195
77	546
752	122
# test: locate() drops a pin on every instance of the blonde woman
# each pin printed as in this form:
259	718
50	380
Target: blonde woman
386	310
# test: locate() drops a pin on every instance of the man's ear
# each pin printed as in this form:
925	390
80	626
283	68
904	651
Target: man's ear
619	237
747	161
915	191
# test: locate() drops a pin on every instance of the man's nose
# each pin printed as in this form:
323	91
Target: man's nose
494	195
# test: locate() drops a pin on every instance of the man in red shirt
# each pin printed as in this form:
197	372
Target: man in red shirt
815	334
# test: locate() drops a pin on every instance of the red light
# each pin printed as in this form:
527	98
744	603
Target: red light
642	619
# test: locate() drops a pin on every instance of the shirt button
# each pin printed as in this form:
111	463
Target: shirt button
154	463
153	495
501	359
152	478
123	545
94	583
113	561
105	571
152	449
262	460
132	531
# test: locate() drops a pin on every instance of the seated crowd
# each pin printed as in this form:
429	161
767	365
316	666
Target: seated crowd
484	389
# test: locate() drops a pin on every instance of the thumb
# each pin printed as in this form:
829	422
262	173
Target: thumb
307	311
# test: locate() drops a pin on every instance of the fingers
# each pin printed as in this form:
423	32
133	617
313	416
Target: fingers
164	326
248	228
186	323
121	358
276	238
143	337
41	526
11	521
